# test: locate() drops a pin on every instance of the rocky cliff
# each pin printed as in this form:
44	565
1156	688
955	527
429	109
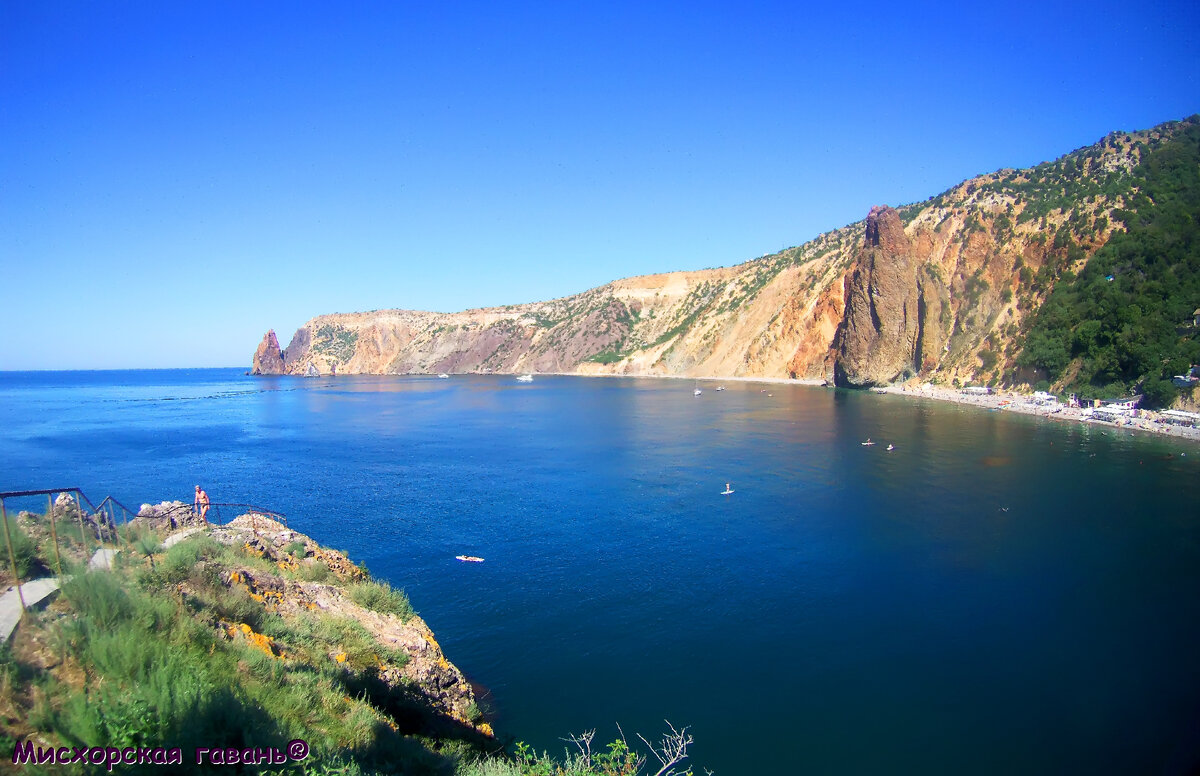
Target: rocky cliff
891	326
268	359
937	290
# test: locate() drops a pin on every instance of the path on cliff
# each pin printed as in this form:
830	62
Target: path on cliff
39	591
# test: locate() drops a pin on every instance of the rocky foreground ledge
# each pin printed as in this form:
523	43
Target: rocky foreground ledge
223	640
440	685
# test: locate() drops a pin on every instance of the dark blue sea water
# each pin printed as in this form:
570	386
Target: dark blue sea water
996	595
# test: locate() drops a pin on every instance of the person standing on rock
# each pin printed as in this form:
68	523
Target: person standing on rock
201	505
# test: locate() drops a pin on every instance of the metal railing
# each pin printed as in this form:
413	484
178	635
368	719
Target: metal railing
103	518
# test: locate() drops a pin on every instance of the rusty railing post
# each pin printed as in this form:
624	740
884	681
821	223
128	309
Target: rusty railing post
125	527
54	534
12	558
82	535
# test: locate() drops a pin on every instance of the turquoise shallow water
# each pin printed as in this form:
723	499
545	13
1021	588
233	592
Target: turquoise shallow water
996	595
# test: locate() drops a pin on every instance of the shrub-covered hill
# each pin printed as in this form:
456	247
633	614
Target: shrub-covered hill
233	644
1125	322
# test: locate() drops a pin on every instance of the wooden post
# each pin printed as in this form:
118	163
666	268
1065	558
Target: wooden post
54	533
110	522
12	558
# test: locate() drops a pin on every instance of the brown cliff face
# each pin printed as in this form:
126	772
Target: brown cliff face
886	330
268	359
939	289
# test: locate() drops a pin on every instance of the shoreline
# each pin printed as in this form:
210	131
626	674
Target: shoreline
1146	421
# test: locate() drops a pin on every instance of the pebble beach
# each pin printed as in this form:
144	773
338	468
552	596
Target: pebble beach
1146	421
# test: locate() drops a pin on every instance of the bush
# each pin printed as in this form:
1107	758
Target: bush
381	597
1158	394
24	551
315	572
183	558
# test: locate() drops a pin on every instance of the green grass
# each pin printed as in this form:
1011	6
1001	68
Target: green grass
160	670
381	597
29	561
607	357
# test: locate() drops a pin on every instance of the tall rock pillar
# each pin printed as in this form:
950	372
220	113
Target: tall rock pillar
268	359
889	295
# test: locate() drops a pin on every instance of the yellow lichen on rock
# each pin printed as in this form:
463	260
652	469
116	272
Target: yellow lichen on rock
260	641
339	564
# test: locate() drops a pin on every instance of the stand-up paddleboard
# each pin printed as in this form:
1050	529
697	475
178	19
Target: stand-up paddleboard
868	443
469	558
727	490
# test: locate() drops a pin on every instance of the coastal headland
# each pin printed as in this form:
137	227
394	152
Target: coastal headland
1020	280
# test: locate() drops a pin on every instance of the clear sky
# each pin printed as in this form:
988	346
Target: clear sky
178	177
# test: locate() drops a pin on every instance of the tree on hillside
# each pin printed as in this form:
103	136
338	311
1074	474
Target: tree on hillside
1124	319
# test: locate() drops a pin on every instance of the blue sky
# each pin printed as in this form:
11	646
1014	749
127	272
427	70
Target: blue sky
176	178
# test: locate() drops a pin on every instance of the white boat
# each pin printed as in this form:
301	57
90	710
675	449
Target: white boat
443	376
524	378
469	558
720	387
697	392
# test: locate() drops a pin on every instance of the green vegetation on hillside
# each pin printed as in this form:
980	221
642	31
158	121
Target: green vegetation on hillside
1125	323
335	341
191	648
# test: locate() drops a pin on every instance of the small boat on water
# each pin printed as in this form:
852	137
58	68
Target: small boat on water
525	378
868	443
720	387
469	558
443	376
697	392
890	448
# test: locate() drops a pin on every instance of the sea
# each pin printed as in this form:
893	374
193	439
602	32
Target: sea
995	594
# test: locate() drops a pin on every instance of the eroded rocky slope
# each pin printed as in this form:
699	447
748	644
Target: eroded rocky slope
936	289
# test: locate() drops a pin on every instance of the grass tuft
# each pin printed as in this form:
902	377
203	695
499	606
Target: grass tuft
381	597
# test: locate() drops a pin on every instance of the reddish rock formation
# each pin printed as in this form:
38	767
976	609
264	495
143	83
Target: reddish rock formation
268	359
893	303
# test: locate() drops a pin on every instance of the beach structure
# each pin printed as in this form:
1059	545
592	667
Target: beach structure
977	390
1180	418
1044	399
1128	404
1107	413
